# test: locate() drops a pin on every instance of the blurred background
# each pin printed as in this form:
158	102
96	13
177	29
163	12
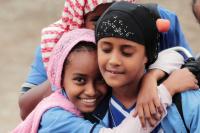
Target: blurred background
20	24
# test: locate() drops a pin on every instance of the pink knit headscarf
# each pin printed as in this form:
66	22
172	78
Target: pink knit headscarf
61	51
72	18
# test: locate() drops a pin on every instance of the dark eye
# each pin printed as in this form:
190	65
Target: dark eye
127	51
79	80
127	54
106	48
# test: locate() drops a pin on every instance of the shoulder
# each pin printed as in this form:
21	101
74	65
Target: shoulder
55	120
191	98
56	114
191	102
59	120
191	109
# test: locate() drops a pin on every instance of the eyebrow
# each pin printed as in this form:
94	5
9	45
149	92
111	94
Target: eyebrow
79	74
106	42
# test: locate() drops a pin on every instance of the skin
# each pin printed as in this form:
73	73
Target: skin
123	75
83	82
196	9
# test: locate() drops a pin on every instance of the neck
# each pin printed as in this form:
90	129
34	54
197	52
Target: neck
127	95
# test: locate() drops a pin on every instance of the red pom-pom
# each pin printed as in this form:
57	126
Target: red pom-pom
163	25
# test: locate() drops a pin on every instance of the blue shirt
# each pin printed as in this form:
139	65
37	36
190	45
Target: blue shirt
58	120
37	74
174	37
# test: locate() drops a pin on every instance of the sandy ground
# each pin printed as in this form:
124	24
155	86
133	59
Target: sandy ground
20	25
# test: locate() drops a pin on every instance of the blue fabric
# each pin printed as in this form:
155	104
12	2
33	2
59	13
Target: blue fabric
173	123
115	116
58	120
191	111
174	37
37	74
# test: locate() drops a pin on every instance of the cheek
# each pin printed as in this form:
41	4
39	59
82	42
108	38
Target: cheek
101	58
103	89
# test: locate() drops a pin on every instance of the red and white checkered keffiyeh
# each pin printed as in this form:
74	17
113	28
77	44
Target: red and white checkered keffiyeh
72	18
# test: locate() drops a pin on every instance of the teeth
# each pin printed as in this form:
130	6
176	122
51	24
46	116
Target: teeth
89	100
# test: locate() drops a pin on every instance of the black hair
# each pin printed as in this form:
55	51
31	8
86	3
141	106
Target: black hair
95	18
81	46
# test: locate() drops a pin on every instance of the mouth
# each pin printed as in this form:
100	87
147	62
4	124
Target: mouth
88	101
114	71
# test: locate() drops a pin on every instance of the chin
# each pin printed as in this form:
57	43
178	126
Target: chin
114	84
87	110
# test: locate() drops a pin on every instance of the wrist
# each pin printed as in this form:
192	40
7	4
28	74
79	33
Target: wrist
156	74
169	88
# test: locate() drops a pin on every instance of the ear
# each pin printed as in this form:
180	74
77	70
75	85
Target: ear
145	60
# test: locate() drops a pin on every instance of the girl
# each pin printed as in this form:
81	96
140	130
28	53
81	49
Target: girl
73	67
127	44
76	14
73	70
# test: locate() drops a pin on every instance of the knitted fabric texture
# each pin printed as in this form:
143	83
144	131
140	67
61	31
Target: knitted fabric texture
31	123
72	18
61	51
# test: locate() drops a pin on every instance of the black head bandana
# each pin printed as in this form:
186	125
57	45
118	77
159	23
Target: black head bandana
134	22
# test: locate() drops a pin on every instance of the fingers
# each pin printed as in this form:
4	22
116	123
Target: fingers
141	116
195	82
155	114
135	113
157	103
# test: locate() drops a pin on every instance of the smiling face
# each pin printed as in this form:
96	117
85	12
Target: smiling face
82	80
121	62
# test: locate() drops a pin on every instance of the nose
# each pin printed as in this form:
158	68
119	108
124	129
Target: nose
90	90
115	59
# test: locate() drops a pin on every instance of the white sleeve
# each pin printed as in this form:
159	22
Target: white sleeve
128	125
168	61
133	125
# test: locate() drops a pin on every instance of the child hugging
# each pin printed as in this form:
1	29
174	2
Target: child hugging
74	71
127	40
122	57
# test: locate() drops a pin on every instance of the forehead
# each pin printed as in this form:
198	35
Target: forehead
83	61
118	42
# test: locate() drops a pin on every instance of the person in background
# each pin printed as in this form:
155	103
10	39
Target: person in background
196	9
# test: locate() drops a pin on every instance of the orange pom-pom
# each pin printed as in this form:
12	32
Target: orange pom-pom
163	25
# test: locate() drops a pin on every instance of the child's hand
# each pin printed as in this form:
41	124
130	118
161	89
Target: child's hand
148	105
181	80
